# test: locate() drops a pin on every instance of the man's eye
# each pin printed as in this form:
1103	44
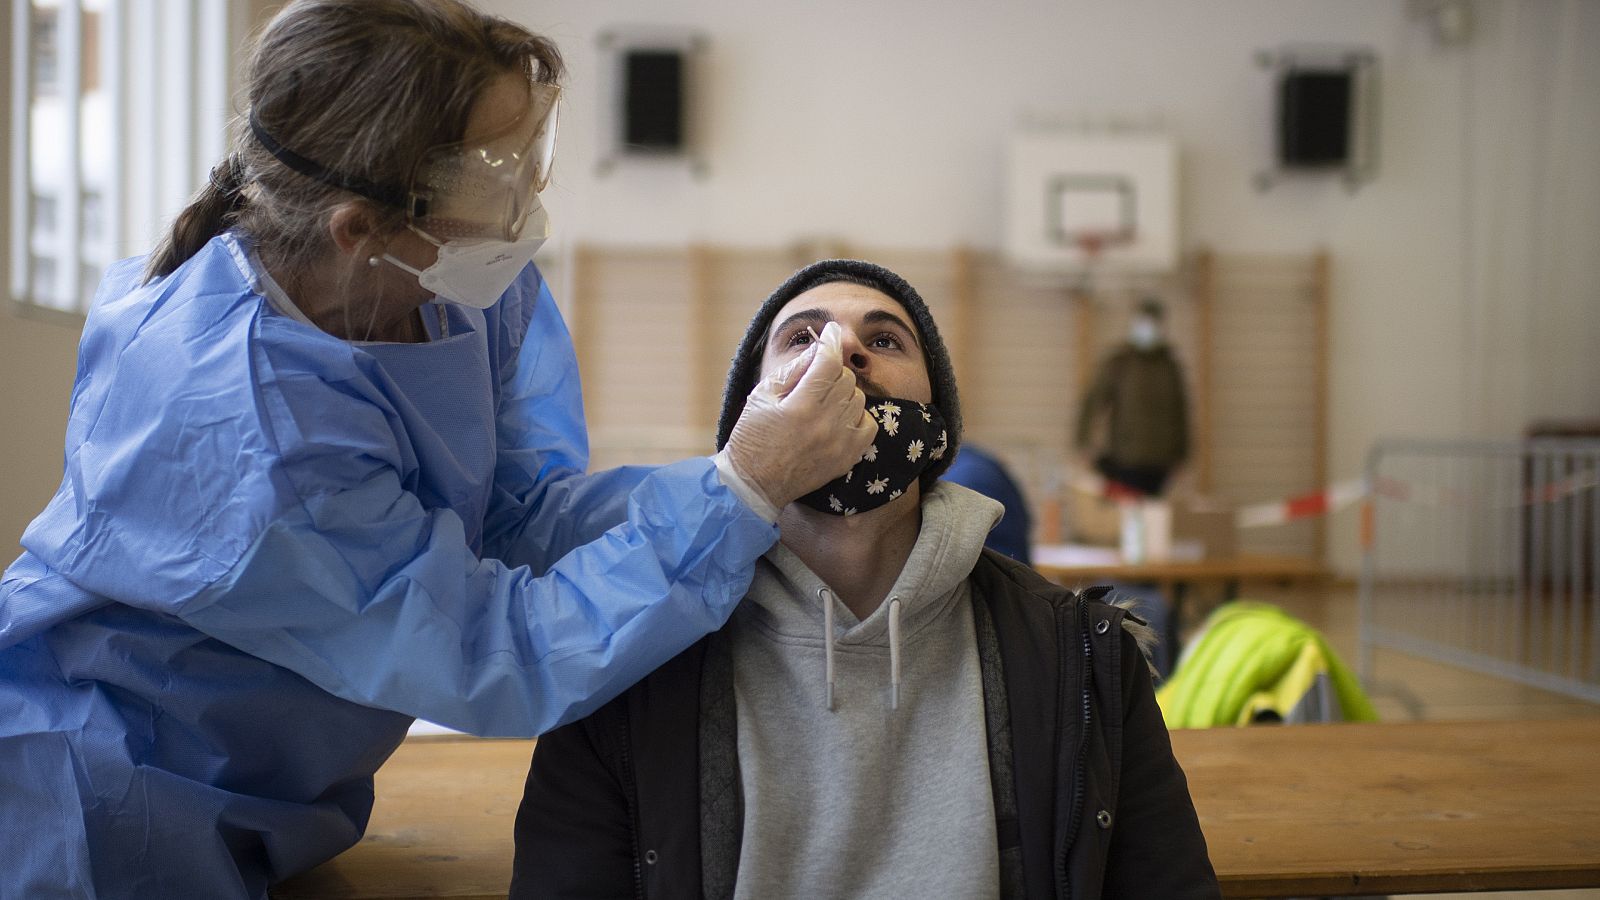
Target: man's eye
798	339
887	341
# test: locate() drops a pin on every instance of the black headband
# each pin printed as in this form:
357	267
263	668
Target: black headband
355	184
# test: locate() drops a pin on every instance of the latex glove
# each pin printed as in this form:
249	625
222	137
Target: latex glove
803	425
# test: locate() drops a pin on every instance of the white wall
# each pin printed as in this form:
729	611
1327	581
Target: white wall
1466	295
1466	278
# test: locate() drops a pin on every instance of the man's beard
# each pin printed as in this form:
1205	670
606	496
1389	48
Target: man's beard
868	386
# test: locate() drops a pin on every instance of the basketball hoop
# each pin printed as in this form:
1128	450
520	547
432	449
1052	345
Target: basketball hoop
1092	244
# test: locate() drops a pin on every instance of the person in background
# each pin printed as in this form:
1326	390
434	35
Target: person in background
324	473
1139	389
978	469
894	711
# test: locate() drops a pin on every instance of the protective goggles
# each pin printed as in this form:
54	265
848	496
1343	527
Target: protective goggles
483	189
486	189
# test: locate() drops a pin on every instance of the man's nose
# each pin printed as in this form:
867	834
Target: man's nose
855	355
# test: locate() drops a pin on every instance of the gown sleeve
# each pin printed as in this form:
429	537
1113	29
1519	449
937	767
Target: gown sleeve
379	601
586	582
543	503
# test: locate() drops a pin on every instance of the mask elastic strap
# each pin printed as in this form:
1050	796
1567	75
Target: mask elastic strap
397	263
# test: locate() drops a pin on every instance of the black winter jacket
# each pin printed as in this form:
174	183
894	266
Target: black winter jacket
640	799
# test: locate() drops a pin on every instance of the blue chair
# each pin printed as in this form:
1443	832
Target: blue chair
975	468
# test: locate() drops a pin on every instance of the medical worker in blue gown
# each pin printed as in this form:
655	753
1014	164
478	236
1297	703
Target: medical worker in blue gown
324	474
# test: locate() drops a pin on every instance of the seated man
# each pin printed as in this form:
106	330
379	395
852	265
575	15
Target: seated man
893	711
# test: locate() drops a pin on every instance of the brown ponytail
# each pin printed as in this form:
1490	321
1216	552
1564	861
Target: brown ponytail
210	213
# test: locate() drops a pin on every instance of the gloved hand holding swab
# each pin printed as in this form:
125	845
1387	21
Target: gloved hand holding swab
803	424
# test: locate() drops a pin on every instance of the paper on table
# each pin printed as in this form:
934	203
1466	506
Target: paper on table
1091	555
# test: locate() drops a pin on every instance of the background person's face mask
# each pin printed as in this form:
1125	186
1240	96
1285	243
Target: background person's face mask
1144	333
911	437
476	273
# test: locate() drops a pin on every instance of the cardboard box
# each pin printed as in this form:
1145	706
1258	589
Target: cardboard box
1209	523
1093	519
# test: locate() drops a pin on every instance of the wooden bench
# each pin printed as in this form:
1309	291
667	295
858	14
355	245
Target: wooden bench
1304	810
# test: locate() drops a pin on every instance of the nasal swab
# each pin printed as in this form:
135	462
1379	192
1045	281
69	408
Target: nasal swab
817	337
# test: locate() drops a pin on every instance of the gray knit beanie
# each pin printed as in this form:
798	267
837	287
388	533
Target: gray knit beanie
746	367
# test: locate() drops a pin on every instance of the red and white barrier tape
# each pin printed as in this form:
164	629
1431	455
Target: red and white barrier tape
1332	499
1436	495
1341	494
1256	515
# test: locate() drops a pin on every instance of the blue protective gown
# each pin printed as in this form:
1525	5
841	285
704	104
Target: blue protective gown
273	548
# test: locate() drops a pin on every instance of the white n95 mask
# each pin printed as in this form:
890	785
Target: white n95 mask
476	273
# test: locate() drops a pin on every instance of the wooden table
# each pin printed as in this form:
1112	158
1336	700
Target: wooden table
1173	577
1300	810
1248	567
441	827
1319	810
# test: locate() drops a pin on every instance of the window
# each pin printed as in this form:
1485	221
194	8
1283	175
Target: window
118	110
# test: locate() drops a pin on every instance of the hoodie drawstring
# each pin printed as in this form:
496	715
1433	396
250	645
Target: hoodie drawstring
826	597
894	652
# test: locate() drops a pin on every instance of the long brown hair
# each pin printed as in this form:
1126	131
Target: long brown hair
361	87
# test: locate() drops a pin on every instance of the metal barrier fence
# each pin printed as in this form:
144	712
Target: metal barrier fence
1484	555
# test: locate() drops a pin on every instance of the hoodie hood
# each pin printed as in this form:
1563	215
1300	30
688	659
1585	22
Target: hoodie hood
788	600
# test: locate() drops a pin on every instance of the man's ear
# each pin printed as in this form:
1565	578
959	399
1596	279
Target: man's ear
353	227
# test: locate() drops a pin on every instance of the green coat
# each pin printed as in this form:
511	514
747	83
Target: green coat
1143	393
1255	659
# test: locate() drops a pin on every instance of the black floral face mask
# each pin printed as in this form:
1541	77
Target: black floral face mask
911	437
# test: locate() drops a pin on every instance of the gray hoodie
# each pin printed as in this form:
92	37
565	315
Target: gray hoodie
885	791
